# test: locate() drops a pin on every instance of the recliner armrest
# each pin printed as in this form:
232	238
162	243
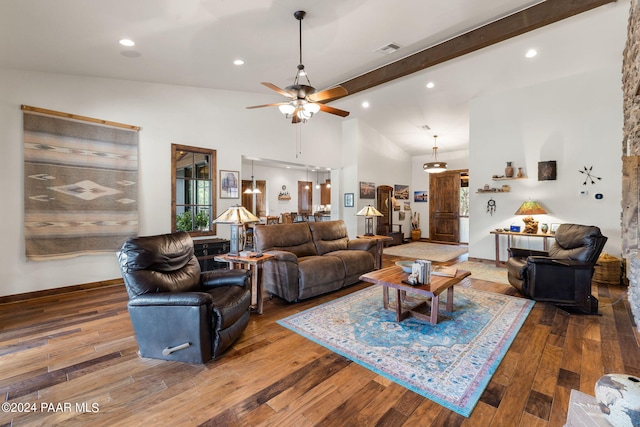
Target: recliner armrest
215	278
576	265
362	244
284	256
524	253
172	299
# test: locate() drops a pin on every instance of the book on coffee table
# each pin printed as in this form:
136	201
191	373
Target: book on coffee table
442	270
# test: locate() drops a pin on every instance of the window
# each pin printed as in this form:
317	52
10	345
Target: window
193	189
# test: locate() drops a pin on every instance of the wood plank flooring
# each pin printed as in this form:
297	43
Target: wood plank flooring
76	353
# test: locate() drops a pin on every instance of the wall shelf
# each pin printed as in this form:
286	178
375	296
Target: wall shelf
507	179
492	191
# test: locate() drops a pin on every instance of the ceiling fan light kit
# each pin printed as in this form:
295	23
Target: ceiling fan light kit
304	100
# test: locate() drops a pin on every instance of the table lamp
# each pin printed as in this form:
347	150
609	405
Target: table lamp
368	213
236	216
529	208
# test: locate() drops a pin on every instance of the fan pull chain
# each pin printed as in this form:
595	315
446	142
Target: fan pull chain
298	141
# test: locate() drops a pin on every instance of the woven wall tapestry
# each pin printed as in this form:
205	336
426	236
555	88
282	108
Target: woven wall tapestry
80	184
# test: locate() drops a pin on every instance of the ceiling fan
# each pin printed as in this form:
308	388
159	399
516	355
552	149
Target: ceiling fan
304	101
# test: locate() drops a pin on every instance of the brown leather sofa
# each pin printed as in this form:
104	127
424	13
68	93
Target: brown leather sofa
178	312
311	258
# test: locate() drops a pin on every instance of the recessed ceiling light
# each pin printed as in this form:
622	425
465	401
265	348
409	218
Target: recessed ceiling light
431	85
127	42
365	104
531	53
238	62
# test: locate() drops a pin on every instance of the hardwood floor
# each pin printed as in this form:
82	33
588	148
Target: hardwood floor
79	349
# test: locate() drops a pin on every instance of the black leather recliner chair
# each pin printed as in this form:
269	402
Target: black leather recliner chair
179	313
562	275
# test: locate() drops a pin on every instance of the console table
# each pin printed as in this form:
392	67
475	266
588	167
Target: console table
511	234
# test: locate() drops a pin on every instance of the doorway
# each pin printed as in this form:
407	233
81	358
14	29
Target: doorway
305	198
446	207
254	202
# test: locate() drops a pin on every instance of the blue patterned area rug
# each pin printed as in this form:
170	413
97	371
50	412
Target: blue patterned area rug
450	363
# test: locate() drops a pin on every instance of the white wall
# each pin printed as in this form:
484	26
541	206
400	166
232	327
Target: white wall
167	114
377	159
577	122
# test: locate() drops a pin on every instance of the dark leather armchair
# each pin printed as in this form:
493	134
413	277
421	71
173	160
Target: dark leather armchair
562	275
179	313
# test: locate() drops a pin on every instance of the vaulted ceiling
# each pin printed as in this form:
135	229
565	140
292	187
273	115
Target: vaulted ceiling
194	43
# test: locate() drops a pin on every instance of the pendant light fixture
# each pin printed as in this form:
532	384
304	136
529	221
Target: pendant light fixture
253	189
435	166
306	187
317	180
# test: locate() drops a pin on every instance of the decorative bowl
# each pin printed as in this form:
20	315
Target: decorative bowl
405	265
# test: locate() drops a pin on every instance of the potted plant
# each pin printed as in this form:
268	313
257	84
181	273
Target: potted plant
202	220
183	221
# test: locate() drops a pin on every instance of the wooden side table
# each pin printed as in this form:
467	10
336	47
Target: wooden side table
253	264
380	240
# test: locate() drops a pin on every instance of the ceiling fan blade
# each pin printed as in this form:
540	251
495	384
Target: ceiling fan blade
277	89
334	92
267	105
332	110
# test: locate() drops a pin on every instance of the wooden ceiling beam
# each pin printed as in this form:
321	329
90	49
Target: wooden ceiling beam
529	19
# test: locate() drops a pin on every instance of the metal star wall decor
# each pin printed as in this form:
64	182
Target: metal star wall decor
589	177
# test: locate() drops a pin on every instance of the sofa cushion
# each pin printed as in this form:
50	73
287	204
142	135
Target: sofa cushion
294	238
356	263
329	236
319	275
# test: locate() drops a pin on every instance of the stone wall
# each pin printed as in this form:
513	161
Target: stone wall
631	157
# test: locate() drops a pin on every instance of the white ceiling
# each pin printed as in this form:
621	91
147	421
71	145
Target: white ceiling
194	42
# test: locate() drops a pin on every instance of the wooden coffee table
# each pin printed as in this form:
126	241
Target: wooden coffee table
392	277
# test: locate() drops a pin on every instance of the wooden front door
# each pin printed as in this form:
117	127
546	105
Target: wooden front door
444	203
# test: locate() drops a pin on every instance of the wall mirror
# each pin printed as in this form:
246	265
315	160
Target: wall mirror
193	190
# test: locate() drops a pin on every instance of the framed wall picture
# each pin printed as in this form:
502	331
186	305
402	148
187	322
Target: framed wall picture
553	228
421	196
401	192
348	200
547	171
229	182
367	190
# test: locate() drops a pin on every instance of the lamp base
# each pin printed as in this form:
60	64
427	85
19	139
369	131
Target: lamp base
235	240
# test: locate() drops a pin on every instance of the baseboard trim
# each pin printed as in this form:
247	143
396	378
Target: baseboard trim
58	291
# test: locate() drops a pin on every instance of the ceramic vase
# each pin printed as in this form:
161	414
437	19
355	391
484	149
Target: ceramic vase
508	171
520	173
544	227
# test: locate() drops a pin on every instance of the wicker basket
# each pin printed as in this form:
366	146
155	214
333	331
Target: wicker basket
608	270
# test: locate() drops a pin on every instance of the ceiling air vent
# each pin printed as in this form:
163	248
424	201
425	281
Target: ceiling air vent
387	48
